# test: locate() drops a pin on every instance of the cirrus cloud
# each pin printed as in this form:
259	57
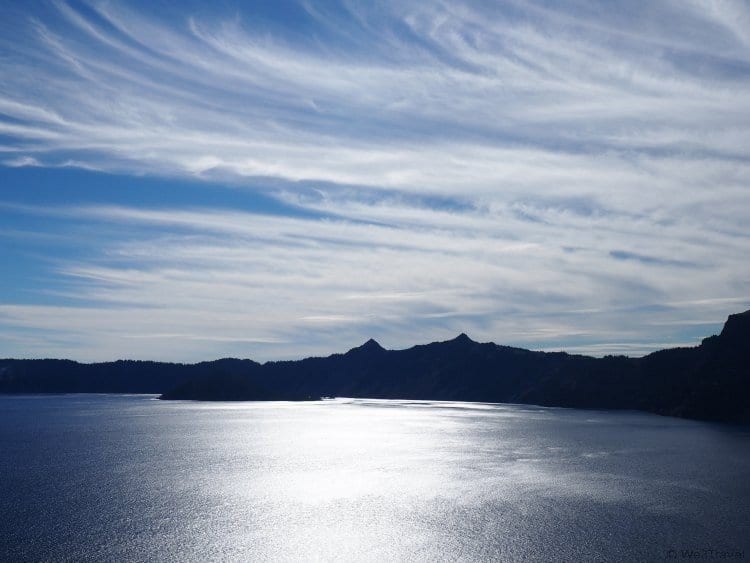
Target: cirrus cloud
569	176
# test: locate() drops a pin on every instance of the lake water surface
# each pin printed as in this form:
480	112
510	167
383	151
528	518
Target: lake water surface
121	478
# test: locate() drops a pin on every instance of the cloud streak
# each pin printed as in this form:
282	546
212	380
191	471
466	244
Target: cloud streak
285	286
195	96
441	166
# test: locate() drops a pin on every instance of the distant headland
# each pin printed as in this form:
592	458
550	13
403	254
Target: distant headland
709	382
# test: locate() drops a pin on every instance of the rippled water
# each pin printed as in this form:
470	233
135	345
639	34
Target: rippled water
133	478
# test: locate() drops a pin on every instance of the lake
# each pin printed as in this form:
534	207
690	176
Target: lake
131	478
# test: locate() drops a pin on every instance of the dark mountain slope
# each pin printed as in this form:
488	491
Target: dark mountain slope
710	381
123	376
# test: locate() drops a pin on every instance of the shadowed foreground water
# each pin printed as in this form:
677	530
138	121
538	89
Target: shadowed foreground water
132	478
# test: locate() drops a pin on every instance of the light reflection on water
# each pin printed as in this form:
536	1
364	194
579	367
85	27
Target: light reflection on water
132	478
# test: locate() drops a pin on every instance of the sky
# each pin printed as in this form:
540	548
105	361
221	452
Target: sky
189	180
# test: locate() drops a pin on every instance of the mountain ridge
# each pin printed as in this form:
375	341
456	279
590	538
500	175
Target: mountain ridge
710	381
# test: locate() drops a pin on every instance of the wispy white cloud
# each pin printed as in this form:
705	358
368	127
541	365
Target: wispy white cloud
201	95
284	286
20	161
496	169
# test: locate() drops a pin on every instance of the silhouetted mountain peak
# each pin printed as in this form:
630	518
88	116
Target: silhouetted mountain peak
737	323
371	345
463	339
737	329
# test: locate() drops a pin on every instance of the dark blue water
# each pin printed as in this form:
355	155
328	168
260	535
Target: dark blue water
136	479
